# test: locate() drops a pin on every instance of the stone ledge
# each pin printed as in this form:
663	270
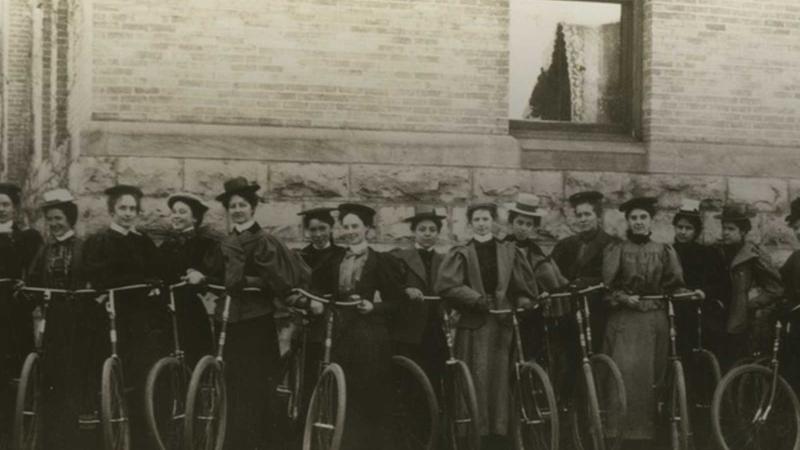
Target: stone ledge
297	144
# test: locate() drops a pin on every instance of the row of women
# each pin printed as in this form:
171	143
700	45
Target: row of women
487	272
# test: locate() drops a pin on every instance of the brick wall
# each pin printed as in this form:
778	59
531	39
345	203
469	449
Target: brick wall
17	140
381	64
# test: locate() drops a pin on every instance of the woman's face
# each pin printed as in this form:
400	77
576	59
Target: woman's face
126	211
426	233
6	208
585	217
239	210
481	222
57	222
796	229
522	227
182	217
639	221
319	233
731	234
354	231
685	232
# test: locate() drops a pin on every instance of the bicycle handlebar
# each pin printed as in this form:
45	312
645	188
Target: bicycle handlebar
325	300
669	297
584	291
506	311
220	287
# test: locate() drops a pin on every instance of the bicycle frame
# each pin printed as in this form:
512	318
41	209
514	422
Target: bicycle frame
177	352
582	316
329	320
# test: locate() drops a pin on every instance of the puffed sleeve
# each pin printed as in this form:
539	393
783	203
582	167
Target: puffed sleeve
769	280
451	282
390	273
280	268
672	272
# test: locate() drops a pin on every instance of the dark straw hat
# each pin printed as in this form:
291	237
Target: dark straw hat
590	197
124	189
322	214
237	185
365	213
735	212
425	213
12	191
195	203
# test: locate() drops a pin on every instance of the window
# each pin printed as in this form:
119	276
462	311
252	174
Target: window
572	66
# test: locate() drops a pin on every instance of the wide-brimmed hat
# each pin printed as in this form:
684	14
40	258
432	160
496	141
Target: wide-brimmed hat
591	197
424	212
56	197
644	203
195	203
322	213
12	191
527	205
736	212
794	214
364	212
237	185
124	189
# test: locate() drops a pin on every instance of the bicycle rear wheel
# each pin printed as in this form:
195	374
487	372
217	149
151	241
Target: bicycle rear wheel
461	409
28	411
535	425
678	409
702	377
744	416
114	416
325	419
206	407
415	410
165	402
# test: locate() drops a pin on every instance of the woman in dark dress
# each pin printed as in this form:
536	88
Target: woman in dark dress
57	265
487	274
17	249
253	258
187	254
117	256
790	273
361	337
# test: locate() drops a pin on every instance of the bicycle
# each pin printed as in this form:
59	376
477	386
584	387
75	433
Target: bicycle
535	420
292	375
677	406
327	409
205	419
459	409
703	375
754	407
166	384
600	406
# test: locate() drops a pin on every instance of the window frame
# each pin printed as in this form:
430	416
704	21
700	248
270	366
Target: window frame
631	81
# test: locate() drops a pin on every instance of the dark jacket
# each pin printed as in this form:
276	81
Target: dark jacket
749	269
409	323
548	276
111	259
40	275
255	258
790	273
181	251
582	267
17	251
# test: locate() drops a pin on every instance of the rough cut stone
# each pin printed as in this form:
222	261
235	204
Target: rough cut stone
92	214
280	219
611	184
206	177
794	189
765	194
672	189
391	226
504	184
309	180
410	183
155	176
93	175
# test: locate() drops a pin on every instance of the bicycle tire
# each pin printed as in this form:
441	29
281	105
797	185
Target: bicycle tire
725	411
27	432
678	409
416	429
206	402
612	403
461	408
114	417
587	415
177	373
535	421
323	415
702	378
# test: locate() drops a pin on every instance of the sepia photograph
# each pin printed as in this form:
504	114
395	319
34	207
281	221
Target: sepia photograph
399	224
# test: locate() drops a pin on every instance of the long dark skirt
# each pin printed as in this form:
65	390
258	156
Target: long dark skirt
194	332
251	364
16	341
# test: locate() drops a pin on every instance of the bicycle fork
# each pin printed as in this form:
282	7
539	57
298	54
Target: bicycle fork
762	414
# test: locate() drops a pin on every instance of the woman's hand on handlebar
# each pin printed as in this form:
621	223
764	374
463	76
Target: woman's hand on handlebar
631	301
365	307
414	294
316	308
526	303
193	277
699	295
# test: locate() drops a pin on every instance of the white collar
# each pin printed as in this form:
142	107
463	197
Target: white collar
359	249
242	227
483	238
7	227
122	230
65	236
419	247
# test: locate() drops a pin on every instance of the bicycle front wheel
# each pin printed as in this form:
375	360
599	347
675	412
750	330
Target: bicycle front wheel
326	412
114	415
460	409
206	407
678	409
535	425
746	415
604	392
165	402
415	410
28	412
